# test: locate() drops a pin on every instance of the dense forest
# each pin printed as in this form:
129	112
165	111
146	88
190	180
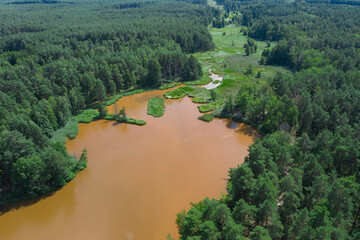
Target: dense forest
302	179
59	57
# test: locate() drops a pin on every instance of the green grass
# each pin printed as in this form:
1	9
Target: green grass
201	95
202	81
70	130
180	92
114	117
206	117
169	85
216	81
198	95
87	116
209	107
156	107
135	121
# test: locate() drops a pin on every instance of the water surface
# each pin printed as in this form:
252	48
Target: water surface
138	177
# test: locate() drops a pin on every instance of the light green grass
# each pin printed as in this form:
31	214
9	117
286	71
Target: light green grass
70	130
202	81
156	107
180	92
201	95
209	107
119	119
206	117
87	116
198	95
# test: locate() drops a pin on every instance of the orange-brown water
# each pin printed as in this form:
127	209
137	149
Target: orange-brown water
138	177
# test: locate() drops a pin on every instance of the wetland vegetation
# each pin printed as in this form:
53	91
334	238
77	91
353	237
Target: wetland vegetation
156	107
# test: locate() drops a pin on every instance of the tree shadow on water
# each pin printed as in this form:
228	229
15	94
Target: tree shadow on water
242	128
13	206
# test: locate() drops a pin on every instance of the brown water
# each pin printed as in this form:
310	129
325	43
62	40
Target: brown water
137	178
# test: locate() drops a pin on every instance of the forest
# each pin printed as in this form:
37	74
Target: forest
302	179
58	58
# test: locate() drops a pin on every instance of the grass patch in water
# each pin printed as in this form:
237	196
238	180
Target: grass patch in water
135	121
156	107
209	107
206	117
201	95
119	119
180	92
198	95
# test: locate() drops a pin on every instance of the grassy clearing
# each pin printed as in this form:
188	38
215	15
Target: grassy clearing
156	107
229	58
230	61
208	117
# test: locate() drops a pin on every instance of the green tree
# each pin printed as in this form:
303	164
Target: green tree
28	176
153	77
260	233
244	213
233	231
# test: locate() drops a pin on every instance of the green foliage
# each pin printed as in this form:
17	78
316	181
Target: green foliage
156	107
87	116
203	81
201	95
69	130
206	117
103	111
168	86
209	107
124	119
260	233
216	81
180	92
